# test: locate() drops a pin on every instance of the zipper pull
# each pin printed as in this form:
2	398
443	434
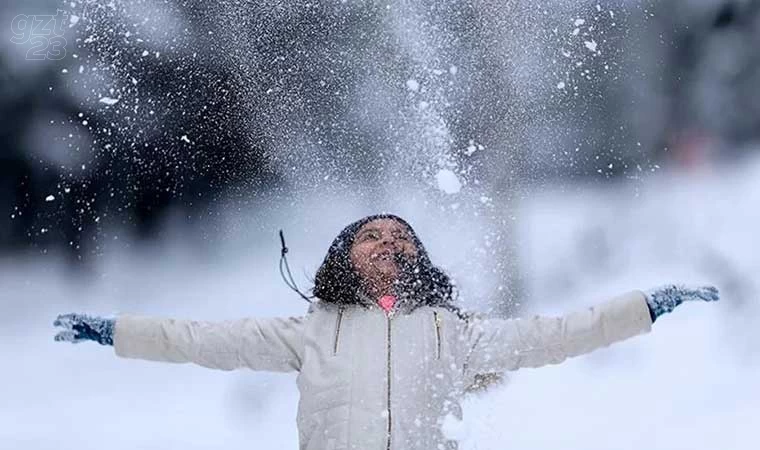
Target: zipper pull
437	321
337	330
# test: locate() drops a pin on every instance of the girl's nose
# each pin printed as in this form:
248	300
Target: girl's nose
389	241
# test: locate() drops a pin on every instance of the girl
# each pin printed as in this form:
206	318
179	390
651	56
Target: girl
384	354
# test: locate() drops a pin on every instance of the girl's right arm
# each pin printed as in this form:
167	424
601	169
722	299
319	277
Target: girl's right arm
495	345
273	344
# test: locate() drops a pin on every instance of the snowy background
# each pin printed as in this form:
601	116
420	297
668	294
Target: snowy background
691	384
548	156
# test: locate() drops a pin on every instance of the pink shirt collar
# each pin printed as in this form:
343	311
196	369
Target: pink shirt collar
386	302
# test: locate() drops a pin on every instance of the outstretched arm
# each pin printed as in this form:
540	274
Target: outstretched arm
498	344
273	344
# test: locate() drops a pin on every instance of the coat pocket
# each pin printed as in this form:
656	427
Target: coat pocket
338	322
437	323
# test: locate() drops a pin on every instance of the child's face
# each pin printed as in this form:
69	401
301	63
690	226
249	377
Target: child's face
374	246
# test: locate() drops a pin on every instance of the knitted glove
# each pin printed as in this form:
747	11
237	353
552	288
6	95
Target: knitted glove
665	298
81	327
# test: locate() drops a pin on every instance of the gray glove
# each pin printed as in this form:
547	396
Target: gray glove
81	327
664	299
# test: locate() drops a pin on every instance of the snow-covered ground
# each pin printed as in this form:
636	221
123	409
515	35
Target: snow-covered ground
691	384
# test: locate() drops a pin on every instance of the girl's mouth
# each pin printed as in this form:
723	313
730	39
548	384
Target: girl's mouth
386	255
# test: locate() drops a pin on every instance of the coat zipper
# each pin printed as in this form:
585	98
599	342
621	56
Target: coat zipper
437	319
337	330
389	380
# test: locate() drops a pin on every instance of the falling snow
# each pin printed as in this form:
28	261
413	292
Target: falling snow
108	100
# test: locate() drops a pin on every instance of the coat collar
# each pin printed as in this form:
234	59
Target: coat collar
404	303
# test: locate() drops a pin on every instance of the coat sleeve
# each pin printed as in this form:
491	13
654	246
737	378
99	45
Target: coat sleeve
273	344
495	345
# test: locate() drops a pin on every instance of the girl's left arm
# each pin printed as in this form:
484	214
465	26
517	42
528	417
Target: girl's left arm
499	344
270	344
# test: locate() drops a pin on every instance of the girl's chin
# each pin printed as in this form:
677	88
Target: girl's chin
384	265
389	274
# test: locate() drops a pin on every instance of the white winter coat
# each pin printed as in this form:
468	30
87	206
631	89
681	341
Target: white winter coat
372	382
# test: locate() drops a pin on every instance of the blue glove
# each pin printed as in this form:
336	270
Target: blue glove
81	327
664	299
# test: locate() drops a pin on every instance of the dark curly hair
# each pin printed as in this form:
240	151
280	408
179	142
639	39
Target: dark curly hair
420	282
